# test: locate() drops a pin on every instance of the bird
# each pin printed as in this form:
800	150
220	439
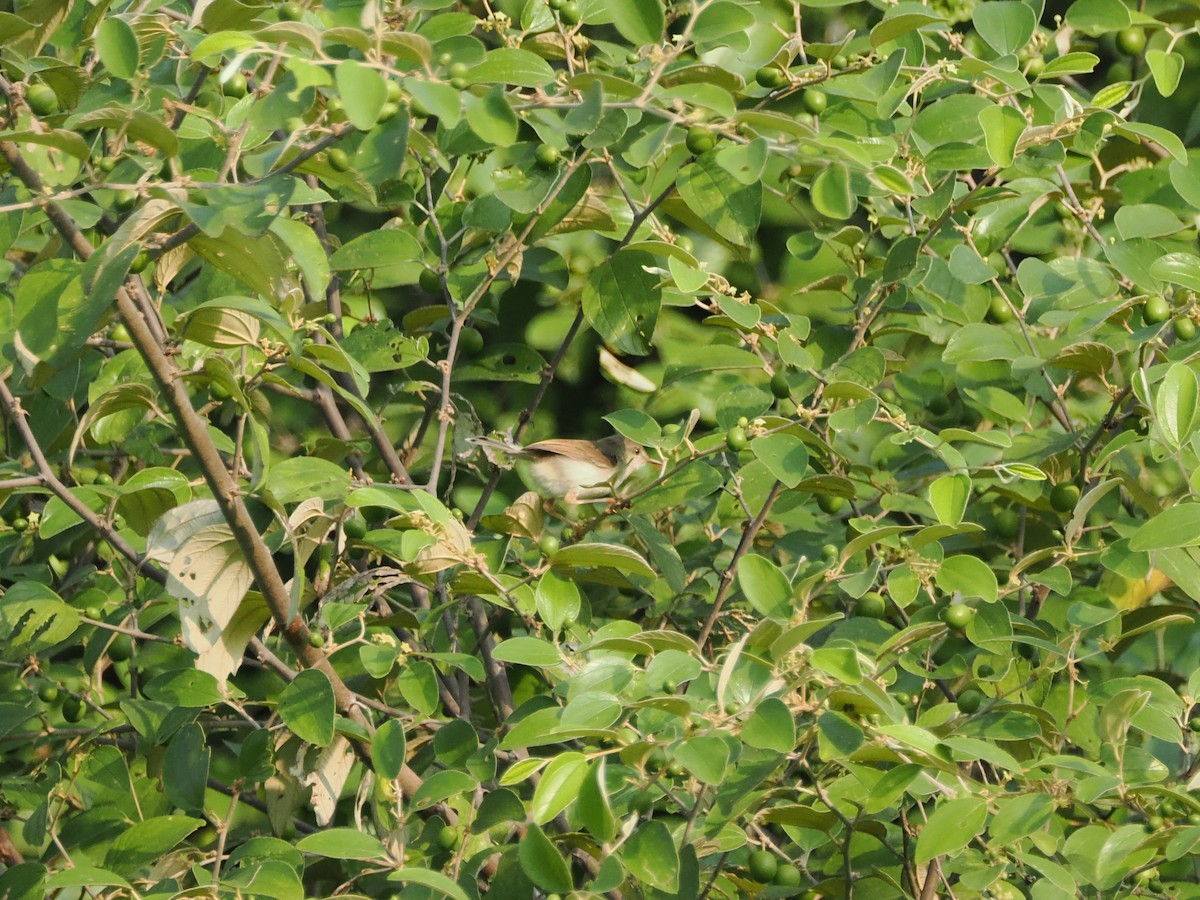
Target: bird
577	471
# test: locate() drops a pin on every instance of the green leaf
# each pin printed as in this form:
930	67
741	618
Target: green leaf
376	250
542	863
528	651
491	117
968	574
771	726
1178	268
1098	16
117	47
134	123
784	454
307	707
730	208
363	92
622	300
831	192
1076	63
766	588
949	495
969	267
1175	405
510	66
705	756
1139	131
651	856
185	769
1002	125
389	749
1178	526
1006	25
1019	816
144	843
638	21
33	618
342	843
559	786
428	878
950	827
594	810
558	601
304	477
1167	69
839	659
594	555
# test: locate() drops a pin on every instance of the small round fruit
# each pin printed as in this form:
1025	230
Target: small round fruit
235	85
1185	329
449	837
104	479
656	761
291	11
985	670
999	311
1131	41
72	709
569	13
470	342
125	200
140	262
771	77
430	281
546	156
20	524
969	701
1064	496
120	648
957	616
871	605
316	639
787	875
839	62
548	545
457	70
743	422
339	159
48	692
394	91
780	387
1156	310
763	866
119	333
355	527
814	102
830	504
106	163
735	439
1008	523
1035	66
388	111
41	99
700	140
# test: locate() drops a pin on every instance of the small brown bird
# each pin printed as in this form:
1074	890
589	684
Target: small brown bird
578	471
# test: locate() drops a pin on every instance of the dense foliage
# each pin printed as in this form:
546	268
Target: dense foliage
901	298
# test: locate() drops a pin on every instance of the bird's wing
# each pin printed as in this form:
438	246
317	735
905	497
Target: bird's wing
584	451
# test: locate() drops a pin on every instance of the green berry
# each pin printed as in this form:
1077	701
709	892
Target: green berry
957	616
104	479
830	504
355	527
763	866
1131	41
470	342
548	545
291	11
1185	329
449	837
41	99
457	70
430	281
139	264
814	102
72	709
787	875
871	605
1156	310
569	13
735	439
316	639
780	387
999	311
771	77
839	62
388	111
48	692
969	701
1035	66
120	648
106	163
1064	496
339	159
394	93
235	86
20	524
125	200
546	156
700	140
1008	523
